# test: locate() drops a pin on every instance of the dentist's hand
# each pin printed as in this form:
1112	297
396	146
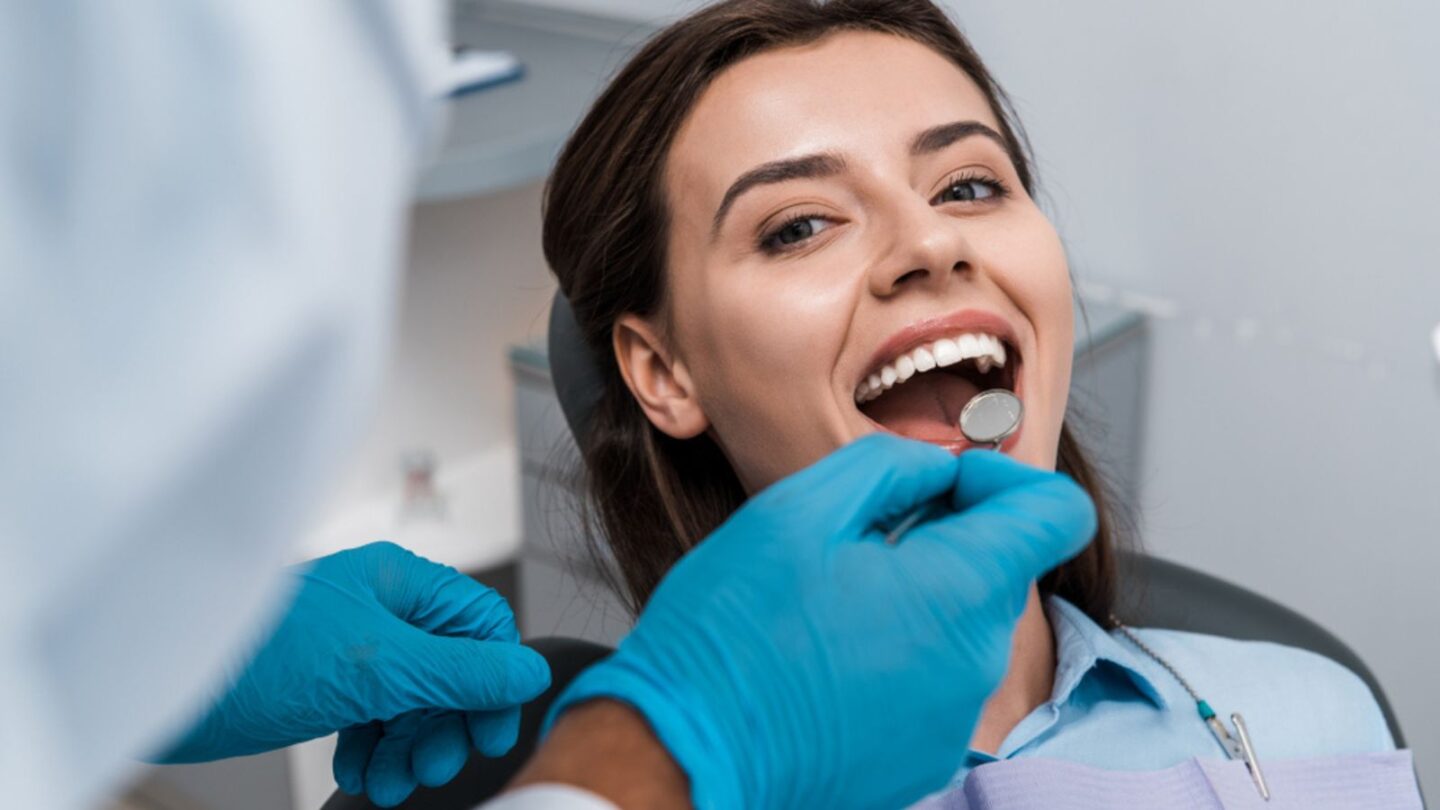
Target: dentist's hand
413	662
793	659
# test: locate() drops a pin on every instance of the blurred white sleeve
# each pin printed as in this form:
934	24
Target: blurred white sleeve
201	209
548	797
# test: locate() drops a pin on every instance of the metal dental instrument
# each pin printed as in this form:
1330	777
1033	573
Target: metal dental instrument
989	418
1248	754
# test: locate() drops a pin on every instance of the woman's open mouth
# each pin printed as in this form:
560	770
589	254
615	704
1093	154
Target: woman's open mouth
920	392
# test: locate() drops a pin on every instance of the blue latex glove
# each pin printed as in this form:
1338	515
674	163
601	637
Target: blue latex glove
410	660
793	659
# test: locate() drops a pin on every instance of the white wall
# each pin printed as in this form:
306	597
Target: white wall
475	284
1264	175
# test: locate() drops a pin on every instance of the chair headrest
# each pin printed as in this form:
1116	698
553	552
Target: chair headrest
574	369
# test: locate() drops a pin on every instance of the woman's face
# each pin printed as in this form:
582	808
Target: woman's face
840	212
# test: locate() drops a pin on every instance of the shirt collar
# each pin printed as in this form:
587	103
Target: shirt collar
1080	646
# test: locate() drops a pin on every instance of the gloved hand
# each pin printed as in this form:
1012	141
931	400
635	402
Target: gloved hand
410	660
793	659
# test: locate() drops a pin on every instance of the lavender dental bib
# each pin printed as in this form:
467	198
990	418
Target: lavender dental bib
1380	781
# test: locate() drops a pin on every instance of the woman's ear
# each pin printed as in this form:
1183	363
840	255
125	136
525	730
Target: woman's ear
659	380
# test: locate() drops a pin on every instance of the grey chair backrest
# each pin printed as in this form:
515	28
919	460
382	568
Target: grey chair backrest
1158	593
574	368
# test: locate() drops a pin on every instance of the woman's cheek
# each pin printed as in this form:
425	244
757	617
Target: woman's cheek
791	326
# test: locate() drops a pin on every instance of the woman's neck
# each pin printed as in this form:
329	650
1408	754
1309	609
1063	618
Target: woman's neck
1028	682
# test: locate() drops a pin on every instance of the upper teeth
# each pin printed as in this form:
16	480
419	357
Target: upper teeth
985	350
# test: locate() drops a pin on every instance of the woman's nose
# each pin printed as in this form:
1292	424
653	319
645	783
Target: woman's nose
926	249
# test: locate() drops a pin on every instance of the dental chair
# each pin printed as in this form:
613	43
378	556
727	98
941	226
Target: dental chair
1161	594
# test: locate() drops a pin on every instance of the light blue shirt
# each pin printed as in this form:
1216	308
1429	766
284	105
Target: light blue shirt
1114	707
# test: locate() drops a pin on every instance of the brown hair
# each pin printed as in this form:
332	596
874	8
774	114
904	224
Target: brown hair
605	239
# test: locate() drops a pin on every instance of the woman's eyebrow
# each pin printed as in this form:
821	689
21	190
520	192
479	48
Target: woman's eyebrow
827	164
936	138
777	171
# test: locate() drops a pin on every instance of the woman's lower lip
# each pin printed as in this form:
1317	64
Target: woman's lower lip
961	446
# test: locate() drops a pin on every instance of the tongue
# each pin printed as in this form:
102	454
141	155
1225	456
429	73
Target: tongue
926	408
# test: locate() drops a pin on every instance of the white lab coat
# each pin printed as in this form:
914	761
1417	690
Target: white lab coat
202	206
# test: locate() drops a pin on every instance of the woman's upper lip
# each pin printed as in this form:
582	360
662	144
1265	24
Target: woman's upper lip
930	329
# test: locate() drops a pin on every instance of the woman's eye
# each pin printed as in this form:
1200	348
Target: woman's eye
970	190
794	232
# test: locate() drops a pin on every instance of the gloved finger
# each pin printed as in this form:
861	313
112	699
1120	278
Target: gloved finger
1016	520
462	674
389	779
353	747
986	474
436	598
873	481
495	732
441	747
456	605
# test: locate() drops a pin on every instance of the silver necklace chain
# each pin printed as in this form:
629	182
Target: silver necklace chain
1145	648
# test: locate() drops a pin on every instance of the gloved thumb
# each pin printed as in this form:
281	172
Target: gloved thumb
465	674
873	481
1017	519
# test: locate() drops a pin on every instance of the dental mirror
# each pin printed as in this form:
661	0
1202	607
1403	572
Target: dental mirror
989	418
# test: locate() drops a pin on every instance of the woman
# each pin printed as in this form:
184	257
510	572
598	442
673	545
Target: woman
786	224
